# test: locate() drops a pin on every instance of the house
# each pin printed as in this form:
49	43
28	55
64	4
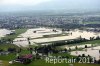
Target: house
28	56
25	59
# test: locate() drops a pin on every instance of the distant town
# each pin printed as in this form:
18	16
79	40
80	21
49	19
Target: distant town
69	20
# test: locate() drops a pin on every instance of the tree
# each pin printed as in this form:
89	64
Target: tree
76	49
10	41
97	37
86	47
11	50
65	50
29	45
92	46
83	55
69	49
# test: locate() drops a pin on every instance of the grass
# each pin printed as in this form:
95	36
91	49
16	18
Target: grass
39	63
25	51
8	57
6	46
91	42
43	63
12	56
5	63
95	22
77	64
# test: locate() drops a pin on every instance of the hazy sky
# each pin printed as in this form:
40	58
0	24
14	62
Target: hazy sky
22	2
21	5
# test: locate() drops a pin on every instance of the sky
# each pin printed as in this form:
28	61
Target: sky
24	5
22	2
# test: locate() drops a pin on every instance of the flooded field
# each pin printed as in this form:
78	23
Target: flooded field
4	32
39	32
42	35
78	46
94	52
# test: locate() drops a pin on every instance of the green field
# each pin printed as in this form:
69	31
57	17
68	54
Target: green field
43	63
91	42
96	22
6	46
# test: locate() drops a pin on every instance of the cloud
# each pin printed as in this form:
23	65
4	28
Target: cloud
22	2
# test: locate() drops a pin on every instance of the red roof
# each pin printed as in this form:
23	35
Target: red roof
28	56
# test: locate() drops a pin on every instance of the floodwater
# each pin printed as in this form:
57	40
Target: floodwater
36	35
94	52
78	46
4	32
